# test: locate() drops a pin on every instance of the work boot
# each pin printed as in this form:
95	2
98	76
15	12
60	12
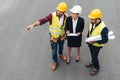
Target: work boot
63	57
93	72
89	65
54	66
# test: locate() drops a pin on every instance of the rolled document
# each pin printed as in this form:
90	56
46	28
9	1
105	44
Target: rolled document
72	34
97	38
110	33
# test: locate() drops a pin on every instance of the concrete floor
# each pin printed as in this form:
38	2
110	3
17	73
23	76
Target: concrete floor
26	55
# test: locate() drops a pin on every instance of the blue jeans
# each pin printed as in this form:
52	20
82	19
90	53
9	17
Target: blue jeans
54	46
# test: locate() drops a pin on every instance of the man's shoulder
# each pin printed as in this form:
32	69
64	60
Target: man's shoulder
66	14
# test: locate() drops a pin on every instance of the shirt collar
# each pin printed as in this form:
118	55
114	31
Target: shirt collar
75	20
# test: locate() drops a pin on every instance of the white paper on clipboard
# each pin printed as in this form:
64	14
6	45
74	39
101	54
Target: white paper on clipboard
72	34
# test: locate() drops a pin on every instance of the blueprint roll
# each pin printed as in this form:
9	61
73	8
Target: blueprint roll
97	38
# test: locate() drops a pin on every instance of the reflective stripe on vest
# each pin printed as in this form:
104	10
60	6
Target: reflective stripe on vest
97	31
56	30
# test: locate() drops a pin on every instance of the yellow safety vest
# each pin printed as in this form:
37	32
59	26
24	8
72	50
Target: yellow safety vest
56	30
97	31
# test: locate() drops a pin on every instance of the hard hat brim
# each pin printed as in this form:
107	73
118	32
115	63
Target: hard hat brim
91	17
73	11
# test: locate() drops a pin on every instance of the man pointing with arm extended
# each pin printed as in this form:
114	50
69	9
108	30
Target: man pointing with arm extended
57	22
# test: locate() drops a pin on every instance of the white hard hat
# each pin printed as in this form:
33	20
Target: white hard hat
76	9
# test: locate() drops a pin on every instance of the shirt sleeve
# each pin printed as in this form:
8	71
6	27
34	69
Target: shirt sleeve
87	34
104	35
82	25
67	24
46	19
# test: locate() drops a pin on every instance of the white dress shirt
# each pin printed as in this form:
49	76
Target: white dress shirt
61	20
74	25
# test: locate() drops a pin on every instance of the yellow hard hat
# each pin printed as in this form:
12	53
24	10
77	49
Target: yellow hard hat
62	6
95	13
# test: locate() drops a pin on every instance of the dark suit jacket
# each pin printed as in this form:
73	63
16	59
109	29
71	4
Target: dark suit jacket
69	25
74	41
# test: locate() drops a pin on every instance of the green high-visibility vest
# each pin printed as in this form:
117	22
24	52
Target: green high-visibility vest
97	31
56	30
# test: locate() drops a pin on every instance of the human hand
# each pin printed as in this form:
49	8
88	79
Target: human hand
67	32
78	33
63	37
91	42
30	27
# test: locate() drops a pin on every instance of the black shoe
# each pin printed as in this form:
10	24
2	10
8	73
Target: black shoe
68	61
77	60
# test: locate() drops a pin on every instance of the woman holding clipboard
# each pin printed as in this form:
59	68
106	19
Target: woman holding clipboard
74	28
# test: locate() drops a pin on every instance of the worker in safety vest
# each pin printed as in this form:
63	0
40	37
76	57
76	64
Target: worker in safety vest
57	22
96	27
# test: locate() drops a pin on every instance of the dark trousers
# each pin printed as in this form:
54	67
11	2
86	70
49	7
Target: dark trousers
55	46
94	56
